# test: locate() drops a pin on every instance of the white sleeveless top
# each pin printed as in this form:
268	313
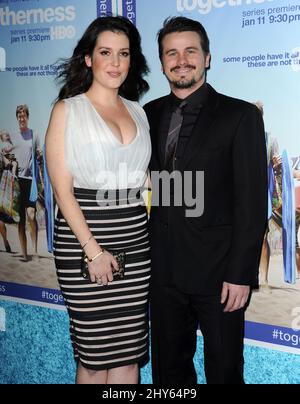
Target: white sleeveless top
95	157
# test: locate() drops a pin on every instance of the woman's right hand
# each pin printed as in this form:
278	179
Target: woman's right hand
101	268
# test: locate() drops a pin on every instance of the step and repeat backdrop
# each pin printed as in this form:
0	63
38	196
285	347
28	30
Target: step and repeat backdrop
255	46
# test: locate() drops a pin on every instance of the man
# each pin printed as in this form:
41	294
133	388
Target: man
203	267
27	150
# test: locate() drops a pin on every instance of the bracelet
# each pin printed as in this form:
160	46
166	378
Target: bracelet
96	256
84	245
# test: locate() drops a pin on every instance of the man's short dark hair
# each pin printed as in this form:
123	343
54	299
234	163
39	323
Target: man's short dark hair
182	24
22	108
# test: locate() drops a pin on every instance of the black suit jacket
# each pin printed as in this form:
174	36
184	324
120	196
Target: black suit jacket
197	254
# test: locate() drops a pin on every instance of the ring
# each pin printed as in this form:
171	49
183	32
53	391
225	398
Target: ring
99	281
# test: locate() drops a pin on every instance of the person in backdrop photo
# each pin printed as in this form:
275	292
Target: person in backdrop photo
3	232
274	162
7	162
203	265
8	158
3	229
27	152
280	212
98	150
296	175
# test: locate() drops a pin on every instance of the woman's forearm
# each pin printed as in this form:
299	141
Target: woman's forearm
73	215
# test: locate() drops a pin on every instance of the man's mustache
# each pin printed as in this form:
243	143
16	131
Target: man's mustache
185	67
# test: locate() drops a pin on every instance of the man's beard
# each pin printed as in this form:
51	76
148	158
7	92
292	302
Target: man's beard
182	84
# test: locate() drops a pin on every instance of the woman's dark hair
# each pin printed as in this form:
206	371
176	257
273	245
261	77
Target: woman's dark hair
182	24
77	78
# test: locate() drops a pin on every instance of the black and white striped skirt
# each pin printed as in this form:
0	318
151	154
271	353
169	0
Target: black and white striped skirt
108	324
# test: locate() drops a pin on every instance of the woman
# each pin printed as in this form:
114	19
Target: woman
95	137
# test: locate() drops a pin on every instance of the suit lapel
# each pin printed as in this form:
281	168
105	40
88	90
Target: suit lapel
201	129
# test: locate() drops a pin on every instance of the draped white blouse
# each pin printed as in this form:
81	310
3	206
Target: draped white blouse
95	157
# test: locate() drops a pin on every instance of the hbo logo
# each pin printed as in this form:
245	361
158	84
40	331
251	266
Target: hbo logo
62	32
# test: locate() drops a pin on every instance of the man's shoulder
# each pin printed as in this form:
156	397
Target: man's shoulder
155	105
20	138
236	103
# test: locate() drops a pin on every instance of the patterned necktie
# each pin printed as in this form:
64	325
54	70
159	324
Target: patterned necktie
173	133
